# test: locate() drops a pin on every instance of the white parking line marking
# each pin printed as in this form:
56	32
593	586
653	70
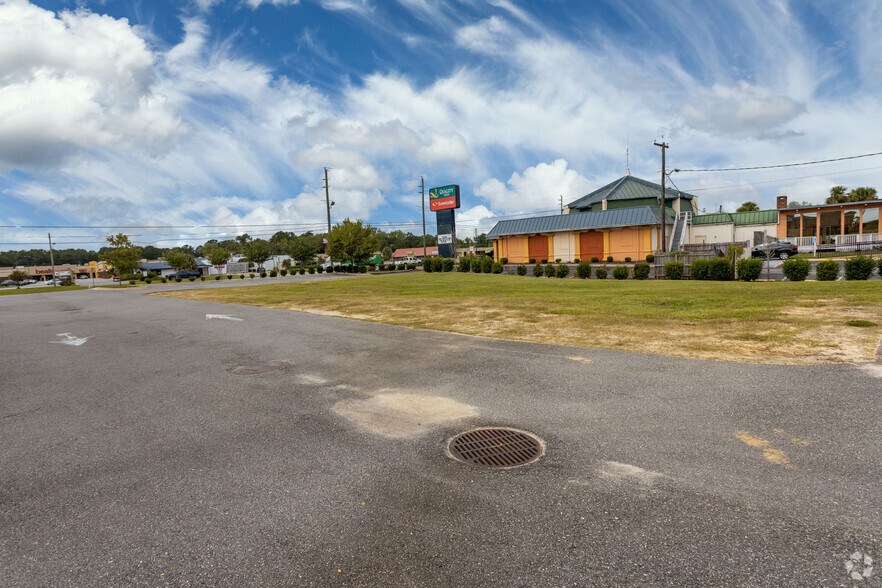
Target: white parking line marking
222	316
70	339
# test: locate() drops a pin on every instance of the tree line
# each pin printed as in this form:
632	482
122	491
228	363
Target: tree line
304	247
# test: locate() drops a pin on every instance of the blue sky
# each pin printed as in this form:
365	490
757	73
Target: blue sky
216	117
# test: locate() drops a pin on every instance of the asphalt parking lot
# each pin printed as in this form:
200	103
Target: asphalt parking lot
156	441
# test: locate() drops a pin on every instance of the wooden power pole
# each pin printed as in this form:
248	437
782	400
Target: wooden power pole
663	243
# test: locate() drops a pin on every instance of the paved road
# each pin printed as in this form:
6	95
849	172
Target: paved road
131	454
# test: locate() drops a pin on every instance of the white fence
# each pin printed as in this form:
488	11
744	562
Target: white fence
865	242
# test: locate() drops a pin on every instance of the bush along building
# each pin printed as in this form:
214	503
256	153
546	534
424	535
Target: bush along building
620	220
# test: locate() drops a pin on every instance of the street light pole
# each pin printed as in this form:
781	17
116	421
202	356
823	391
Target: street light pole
423	192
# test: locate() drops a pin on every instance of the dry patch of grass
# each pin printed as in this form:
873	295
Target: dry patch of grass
779	322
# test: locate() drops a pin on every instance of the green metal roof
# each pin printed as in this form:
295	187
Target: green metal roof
756	217
627	188
580	221
739	219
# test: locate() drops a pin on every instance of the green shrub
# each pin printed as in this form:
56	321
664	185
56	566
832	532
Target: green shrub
241	276
543	261
880	266
600	273
674	270
331	269
609	259
620	272
465	264
557	260
283	272
522	270
262	274
428	265
401	267
229	276
827	271
362	269
538	270
497	268
627	260
311	269
641	270
594	260
532	260
131	282
301	271
700	269
859	268
164	280
577	261
438	266
583	270
251	276
549	270
720	269
503	261
447	264
749	269
563	270
216	278
487	264
796	270
148	281
650	258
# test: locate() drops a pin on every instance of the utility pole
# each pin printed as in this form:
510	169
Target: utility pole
328	204
328	201
52	261
561	203
423	193
662	245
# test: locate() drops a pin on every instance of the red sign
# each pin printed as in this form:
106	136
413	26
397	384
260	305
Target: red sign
45	271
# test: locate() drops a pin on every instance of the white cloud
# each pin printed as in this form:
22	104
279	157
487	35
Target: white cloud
744	110
538	187
73	83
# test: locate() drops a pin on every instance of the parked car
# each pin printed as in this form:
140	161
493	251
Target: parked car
780	250
7	283
184	274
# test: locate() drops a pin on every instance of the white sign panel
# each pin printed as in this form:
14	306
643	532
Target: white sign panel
445	239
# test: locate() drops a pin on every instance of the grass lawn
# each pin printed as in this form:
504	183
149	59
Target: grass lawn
774	322
44	290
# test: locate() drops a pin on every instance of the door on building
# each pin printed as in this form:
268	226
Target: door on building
538	245
590	245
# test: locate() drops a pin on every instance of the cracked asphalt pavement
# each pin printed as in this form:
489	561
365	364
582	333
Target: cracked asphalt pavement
131	454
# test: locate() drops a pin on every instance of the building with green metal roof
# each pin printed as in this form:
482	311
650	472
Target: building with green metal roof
732	227
629	191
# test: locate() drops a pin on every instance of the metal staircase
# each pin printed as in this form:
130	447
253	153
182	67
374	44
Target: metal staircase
678	234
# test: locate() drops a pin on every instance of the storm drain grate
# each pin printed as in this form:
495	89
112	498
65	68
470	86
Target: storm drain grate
496	447
250	370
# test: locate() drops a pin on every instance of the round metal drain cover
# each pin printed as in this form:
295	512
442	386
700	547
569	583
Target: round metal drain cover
496	447
250	370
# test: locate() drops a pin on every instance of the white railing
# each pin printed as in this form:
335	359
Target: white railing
840	242
846	241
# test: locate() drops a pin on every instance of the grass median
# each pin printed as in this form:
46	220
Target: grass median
774	322
41	290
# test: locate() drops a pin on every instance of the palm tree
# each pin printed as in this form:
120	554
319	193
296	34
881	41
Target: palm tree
748	207
837	195
862	194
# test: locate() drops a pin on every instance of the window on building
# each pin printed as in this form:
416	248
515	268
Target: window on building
793	225
809	224
871	220
831	225
852	222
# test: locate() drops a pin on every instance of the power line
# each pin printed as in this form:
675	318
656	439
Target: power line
850	171
780	165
